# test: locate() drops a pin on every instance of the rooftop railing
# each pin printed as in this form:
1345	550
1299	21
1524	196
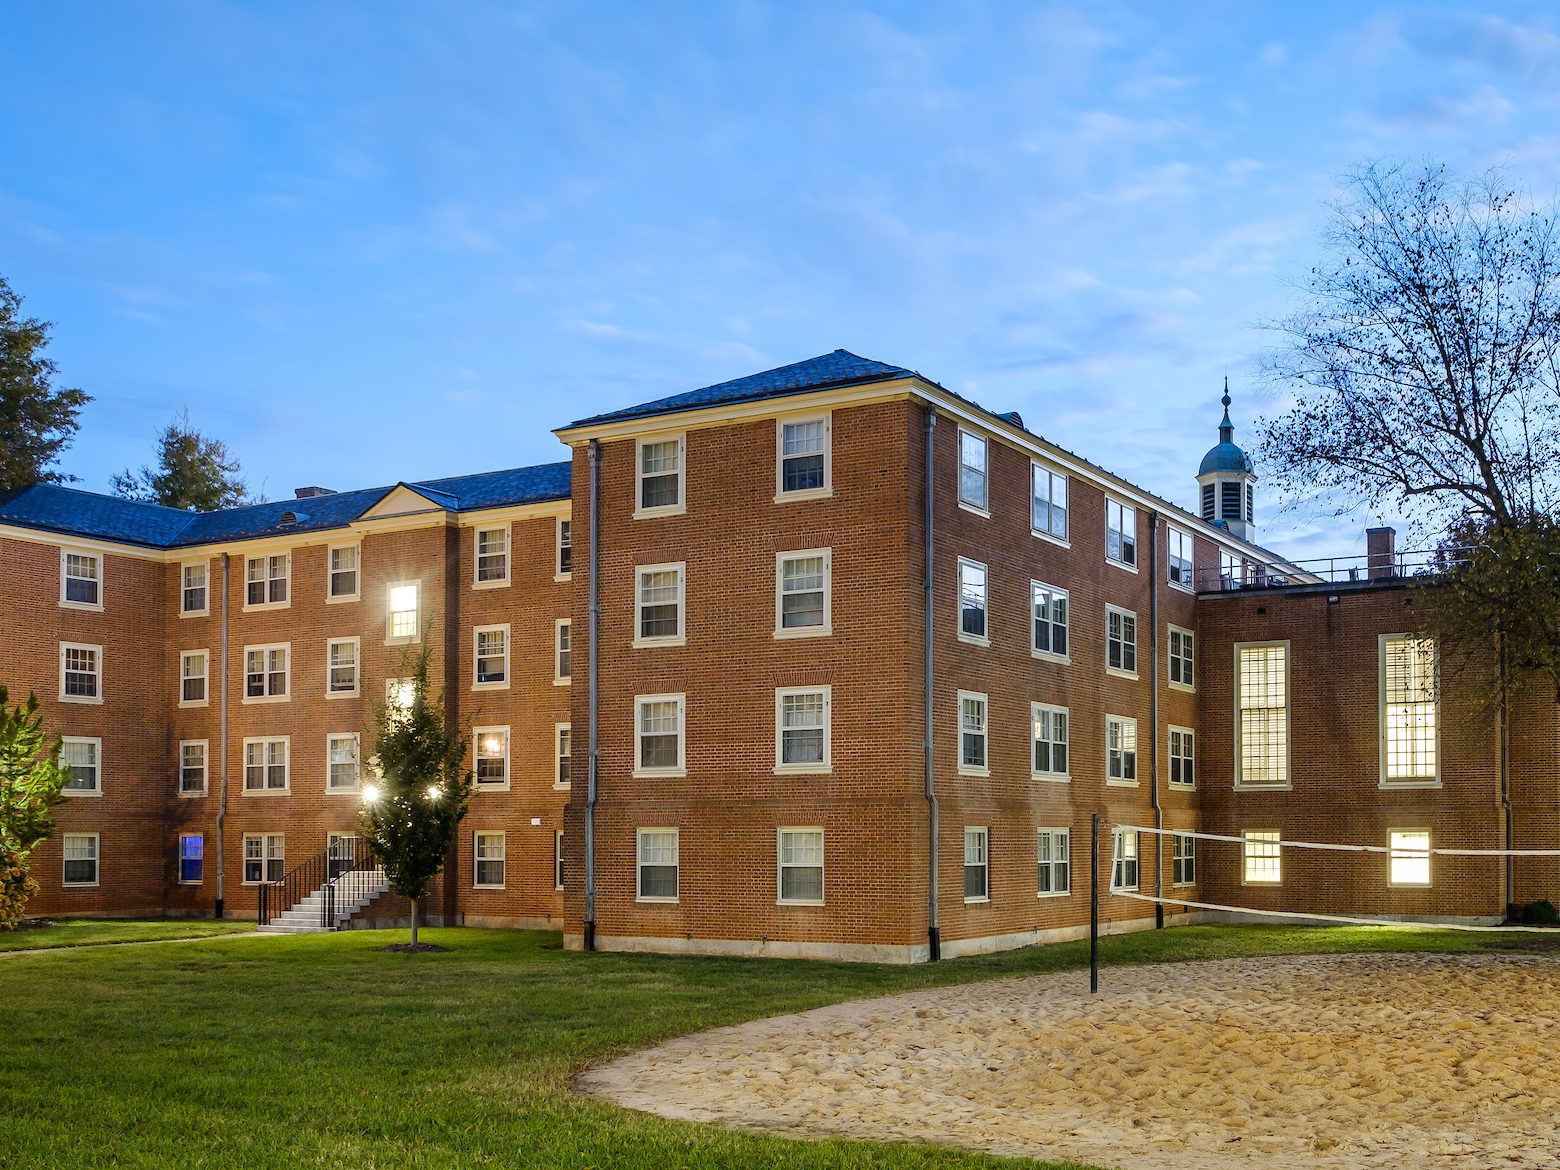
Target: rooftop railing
1377	566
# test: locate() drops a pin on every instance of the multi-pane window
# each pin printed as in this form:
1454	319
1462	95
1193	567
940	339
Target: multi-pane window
976	865
488	850
1050	619
1049	732
400	695
802	729
192	598
341	655
344	572
972	600
341	762
1232	570
1262	715
402	624
265	857
657	865
1120	750
802	593
84	759
81	669
265	579
658	605
81	579
81	859
192	853
1181	664
1409	856
1049	502
563	651
1124	859
660	474
972	470
1182	757
1408	712
1179	551
972	732
1120	640
265	672
1260	855
192	677
660	733
800	857
192	767
492	756
265	765
1120	532
565	547
491	656
492	555
557	859
804	456
1183	860
1052	874
564	751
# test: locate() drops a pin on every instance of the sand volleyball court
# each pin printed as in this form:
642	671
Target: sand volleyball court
1315	1061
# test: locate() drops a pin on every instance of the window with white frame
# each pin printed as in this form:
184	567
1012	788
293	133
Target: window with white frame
802	729
81	859
1232	570
84	758
1260	850
1121	533
659	723
488	860
1179	551
265	858
1124	859
1120	750
1183	772
490	657
402	619
265	580
1183	860
657	864
800	857
1048	727
1262	715
81	579
563	744
658	605
1052	867
1409	856
266	672
1181	664
192	858
192	767
1120	640
192	596
972	733
1050	620
492	556
977	885
81	673
492	756
341	661
660	475
341	762
557	859
802	593
804	457
1408	710
192	678
265	765
563	651
344	560
1048	513
972	470
972	601
565	564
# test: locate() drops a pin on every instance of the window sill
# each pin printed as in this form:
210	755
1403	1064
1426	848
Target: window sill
658	774
194	702
258	700
267	791
89	699
1183	588
194	613
661	510
79	885
1410	785
195	882
81	792
970	770
490	686
560	578
355	790
657	901
1182	687
1047	656
192	795
352	694
343	599
1059	541
1110	783
265	606
974	639
1122	565
486	887
976	901
1174	786
1117	672
563	680
1264	787
1253	882
1052	777
966	506
82	605
824	769
404	641
823	493
1408	885
799	902
1182	885
659	642
490	786
562	786
1054	894
785	633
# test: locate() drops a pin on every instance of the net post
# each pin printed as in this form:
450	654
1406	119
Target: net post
1094	905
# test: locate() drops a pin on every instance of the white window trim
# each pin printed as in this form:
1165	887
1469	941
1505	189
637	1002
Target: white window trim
1189	688
95	700
1117	671
1190	586
639	832
1169	772
558	571
559	783
558	859
1136	536
1289	706
985	832
680	638
1121	782
972	769
1049	655
204	611
402	639
487	785
265	860
820	493
1053	777
503	844
827	627
1429	857
958	483
781	867
97	742
264	647
179	859
476	556
205	779
1246	842
1193	842
562	680
356	594
806	769
681	506
1381	719
205	676
681	768
1119	837
243	767
357	668
1052	830
244	582
68	551
97	859
972	639
1048	536
476	635
357	756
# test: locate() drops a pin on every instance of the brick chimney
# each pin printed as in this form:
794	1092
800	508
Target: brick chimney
1380	552
305	493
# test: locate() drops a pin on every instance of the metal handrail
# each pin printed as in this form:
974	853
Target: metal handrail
323	873
1379	566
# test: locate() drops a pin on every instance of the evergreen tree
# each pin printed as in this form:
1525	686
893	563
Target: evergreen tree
193	472
31	780
37	421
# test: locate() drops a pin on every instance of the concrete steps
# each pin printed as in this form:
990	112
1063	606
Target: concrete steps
353	891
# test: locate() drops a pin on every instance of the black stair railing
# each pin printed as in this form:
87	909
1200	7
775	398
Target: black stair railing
325	872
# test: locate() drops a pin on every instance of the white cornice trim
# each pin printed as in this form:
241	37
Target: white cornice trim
93	544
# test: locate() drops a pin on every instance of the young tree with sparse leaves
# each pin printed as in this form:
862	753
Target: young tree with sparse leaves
37	421
193	472
31	782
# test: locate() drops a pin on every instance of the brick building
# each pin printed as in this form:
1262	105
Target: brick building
847	663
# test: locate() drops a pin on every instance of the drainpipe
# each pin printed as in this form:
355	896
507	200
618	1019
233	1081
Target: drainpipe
222	750
592	747
1153	719
933	931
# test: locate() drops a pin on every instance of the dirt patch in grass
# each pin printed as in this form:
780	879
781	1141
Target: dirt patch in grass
1526	942
34	923
416	949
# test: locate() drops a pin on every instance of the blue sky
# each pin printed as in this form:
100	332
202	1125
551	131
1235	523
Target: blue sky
372	241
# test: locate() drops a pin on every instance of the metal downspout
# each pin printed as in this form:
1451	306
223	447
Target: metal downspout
222	750
1153	718
933	931
593	747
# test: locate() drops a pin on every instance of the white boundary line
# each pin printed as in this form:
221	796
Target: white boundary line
1345	848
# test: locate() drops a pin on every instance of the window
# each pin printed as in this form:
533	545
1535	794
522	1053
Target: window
1121	533
266	580
492	756
265	765
557	859
802	593
492	559
1124	859
563	772
659	719
804	458
1408	710
1260	851
1183	860
1049	502
800	854
192	599
1050	634
1182	767
1120	750
1410	856
802	729
341	659
972	470
192	851
265	672
1181	673
264	858
341	762
1120	640
1052	874
1232	570
491	658
81	859
657	864
972	602
81	579
343	573
1049	733
563	656
402	622
81	673
192	678
84	759
1262	715
658	605
972	733
400	694
565	549
660	477
192	767
488	849
976	864
1180	554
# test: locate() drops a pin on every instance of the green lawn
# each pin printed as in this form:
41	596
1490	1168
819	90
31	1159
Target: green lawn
83	932
320	1051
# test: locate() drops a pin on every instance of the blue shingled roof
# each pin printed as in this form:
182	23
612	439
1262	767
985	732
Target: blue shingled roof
61	509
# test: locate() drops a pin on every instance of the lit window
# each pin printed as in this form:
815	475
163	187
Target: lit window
802	593
800	853
192	767
1260	851
1052	868
84	759
658	605
563	772
976	864
565	547
81	859
802	728
344	572
265	858
491	657
1120	640
660	475
1183	860
1408	717
657	864
81	576
1049	502
972	733
265	765
400	694
1181	664
564	652
1120	750
660	724
341	762
492	555
265	672
1262	716
1050	614
1180	555
1120	532
192	851
342	666
489	855
193	597
266	580
81	669
972	470
1049	732
492	756
1182	766
1410	856
1124	859
972	601
192	678
402	625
